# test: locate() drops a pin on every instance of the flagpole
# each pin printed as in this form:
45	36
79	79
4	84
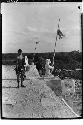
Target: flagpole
54	50
55	44
60	35
34	53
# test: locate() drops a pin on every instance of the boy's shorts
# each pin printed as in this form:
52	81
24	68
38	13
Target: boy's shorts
20	70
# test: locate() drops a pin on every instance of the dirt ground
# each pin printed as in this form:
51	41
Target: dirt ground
36	100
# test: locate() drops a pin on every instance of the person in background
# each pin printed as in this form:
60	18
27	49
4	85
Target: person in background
48	68
20	62
26	64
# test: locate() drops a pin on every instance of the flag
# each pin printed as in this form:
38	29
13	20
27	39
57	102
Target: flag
60	34
55	44
37	42
35	48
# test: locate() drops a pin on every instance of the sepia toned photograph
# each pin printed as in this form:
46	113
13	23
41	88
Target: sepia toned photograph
41	60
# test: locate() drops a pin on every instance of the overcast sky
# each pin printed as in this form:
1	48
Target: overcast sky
25	23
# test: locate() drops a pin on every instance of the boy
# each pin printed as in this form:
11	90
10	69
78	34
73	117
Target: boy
26	64
48	68
20	62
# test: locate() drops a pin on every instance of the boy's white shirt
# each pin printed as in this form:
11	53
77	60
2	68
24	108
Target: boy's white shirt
26	61
48	68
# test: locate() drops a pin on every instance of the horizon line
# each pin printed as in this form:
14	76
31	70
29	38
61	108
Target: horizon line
44	52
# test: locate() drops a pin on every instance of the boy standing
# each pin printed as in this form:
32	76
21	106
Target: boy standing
20	69
48	68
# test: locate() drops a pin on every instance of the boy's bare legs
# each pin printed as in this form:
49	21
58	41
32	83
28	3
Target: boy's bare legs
18	76
22	78
22	82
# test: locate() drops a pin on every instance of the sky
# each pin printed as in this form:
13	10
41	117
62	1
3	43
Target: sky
25	23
